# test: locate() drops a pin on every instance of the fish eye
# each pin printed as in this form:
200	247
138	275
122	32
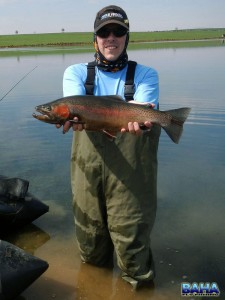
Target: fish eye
46	107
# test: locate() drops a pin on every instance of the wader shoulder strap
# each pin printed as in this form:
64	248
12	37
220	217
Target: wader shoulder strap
129	84
129	87
89	84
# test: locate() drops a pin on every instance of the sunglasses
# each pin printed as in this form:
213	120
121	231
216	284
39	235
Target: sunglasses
117	32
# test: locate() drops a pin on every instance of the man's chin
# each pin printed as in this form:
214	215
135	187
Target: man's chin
111	57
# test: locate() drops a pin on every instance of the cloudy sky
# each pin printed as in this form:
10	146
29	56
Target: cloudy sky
42	16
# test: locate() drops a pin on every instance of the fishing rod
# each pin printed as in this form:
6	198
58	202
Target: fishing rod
18	83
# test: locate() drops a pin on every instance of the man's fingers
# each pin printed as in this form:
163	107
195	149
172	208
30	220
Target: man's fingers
134	128
66	127
148	124
77	127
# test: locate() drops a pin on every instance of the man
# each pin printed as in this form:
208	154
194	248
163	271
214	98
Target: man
114	182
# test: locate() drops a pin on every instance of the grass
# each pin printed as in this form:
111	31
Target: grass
45	39
178	35
81	39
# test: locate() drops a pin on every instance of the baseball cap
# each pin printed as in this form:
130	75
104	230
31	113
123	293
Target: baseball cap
111	14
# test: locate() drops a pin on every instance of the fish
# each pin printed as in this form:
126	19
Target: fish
109	114
18	271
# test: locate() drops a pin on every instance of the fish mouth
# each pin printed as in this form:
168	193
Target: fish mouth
43	116
43	113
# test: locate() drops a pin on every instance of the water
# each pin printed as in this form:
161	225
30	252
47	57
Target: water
188	237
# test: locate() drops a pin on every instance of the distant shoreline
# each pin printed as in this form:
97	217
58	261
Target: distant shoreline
81	45
81	39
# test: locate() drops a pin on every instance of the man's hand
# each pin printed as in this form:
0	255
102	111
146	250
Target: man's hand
69	124
133	127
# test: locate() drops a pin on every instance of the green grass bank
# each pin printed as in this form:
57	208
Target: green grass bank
85	38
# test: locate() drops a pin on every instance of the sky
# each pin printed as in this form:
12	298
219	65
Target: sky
45	16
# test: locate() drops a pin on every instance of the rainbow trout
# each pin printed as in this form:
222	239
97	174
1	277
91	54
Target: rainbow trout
109	114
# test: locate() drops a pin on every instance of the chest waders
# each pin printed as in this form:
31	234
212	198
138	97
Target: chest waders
114	196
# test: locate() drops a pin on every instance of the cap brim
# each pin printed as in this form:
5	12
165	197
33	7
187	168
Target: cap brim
111	22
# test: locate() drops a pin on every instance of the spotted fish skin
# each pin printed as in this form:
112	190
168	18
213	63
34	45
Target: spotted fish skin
110	114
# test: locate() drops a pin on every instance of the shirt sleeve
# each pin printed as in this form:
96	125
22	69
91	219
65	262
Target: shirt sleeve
74	80
147	85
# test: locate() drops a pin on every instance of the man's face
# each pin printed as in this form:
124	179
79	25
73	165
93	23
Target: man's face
111	41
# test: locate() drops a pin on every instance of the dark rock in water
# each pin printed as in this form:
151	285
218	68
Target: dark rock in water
13	187
18	270
19	212
17	206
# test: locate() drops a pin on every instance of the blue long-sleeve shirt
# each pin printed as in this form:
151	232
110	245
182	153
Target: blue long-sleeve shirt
107	83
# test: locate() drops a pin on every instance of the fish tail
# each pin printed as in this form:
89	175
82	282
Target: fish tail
175	127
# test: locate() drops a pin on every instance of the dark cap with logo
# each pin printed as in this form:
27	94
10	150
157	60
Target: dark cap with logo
111	14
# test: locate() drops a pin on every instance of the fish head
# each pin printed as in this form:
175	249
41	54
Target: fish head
54	114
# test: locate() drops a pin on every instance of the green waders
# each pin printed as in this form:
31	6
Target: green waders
114	185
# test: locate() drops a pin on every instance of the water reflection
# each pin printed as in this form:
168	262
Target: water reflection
188	237
29	238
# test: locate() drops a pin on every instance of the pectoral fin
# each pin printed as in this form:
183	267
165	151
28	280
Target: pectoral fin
110	135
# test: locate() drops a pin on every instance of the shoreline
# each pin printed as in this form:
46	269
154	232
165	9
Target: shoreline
81	45
82	39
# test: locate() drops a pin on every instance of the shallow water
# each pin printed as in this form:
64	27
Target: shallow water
188	237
